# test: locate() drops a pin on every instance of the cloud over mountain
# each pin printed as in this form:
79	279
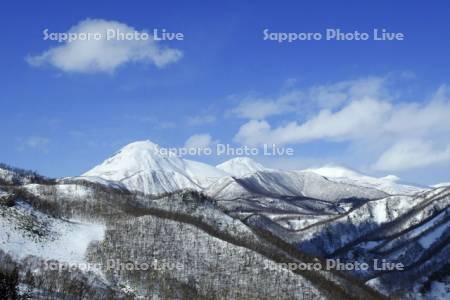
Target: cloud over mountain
413	133
103	54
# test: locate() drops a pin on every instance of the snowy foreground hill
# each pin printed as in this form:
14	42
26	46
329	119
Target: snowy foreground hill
149	225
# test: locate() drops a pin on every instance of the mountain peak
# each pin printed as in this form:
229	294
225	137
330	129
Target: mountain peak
144	145
391	177
240	166
390	184
335	171
146	167
136	157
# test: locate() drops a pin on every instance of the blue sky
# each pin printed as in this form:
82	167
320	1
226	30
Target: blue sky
229	85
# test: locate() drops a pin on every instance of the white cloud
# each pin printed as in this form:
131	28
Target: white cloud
316	97
408	154
254	132
419	119
359	119
199	141
166	125
251	108
372	119
201	120
35	143
334	95
148	119
102	55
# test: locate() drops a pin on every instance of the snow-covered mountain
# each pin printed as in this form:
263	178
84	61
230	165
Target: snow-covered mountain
145	167
253	214
187	247
442	184
241	166
62	240
278	183
390	184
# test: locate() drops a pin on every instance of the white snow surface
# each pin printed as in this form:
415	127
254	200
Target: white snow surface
3	193
61	240
390	184
96	179
146	167
6	175
241	166
442	184
276	183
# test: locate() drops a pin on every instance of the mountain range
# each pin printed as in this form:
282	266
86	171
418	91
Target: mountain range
224	225
143	166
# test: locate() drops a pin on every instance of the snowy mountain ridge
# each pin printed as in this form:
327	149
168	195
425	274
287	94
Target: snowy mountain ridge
442	184
144	167
390	184
262	212
241	166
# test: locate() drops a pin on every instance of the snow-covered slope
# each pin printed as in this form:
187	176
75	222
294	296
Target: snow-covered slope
144	167
390	184
26	231
336	214
3	193
411	230
6	175
241	166
277	183
442	184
